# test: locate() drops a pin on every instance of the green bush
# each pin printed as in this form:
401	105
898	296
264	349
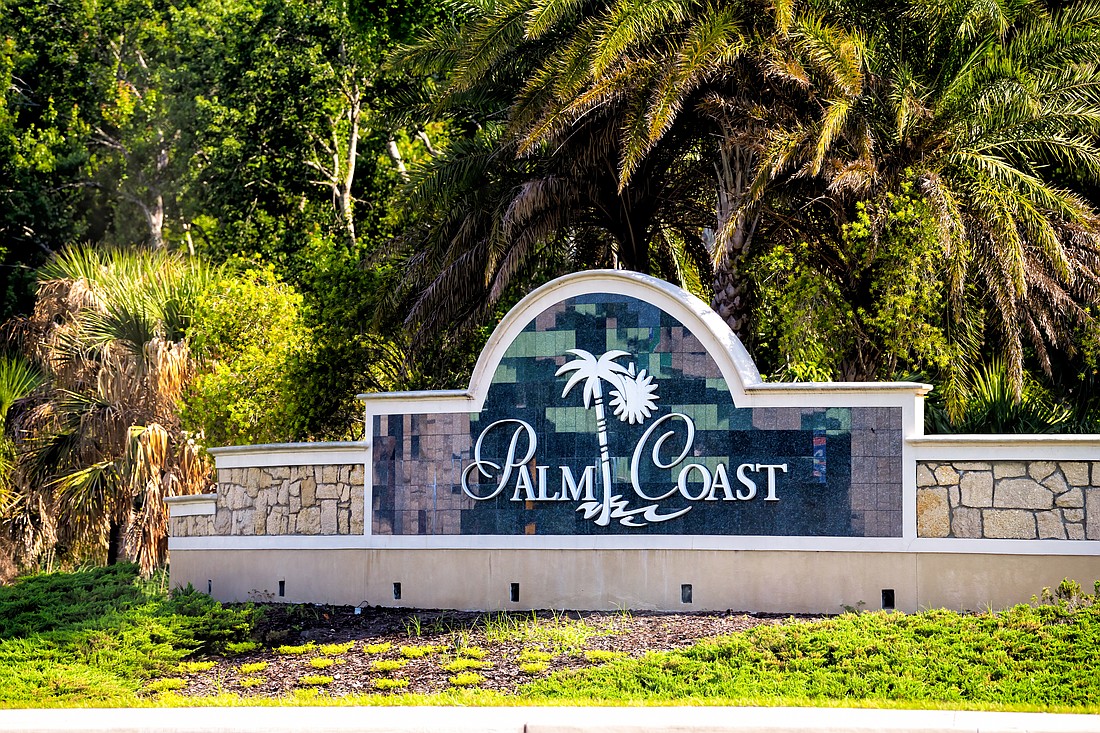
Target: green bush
95	636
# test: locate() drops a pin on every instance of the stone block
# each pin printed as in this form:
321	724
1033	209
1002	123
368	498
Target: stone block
239	498
309	491
1050	525
328	517
1092	514
309	520
244	522
1075	531
329	474
976	489
276	522
342	521
1076	472
1056	483
1008	469
972	466
1074	515
1008	524
357	474
295	505
222	520
1074	498
277	473
1021	493
345	471
345	492
328	491
282	496
1039	470
966	523
933	517
294	488
1096	473
954	496
259	522
946	476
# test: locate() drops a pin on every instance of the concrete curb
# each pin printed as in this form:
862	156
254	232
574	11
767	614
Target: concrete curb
536	720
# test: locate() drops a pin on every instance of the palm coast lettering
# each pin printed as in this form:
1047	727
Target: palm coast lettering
633	399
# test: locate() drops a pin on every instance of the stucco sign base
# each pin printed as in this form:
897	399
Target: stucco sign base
741	580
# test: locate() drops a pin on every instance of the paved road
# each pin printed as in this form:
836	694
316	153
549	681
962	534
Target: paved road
535	720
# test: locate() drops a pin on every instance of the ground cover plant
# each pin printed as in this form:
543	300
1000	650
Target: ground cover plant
105	637
99	636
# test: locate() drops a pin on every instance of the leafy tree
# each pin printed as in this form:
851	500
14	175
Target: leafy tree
247	331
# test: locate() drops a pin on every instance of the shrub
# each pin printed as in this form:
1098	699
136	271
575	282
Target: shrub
389	684
248	682
387	665
533	667
316	680
377	648
461	664
294	650
252	667
335	650
165	684
466	679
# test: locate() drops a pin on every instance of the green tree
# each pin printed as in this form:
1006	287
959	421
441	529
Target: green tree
247	330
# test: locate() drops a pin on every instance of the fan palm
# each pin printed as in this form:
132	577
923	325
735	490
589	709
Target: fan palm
102	446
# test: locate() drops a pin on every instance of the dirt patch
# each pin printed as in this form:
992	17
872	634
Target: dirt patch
430	651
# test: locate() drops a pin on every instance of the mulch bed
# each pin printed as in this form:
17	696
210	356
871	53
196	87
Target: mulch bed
500	637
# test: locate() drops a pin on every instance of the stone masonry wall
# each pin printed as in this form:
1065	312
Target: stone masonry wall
1009	499
282	500
193	526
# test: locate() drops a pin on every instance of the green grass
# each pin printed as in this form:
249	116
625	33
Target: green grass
93	637
561	633
1032	656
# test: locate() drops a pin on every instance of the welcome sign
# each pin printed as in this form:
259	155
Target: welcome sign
603	413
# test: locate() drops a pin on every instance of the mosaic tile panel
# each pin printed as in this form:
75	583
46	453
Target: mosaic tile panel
607	376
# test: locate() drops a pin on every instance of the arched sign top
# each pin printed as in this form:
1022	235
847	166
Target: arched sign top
588	290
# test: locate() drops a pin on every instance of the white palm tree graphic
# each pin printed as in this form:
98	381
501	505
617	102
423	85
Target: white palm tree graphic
633	400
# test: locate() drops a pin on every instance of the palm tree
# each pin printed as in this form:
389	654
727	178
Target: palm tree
102	445
633	400
977	104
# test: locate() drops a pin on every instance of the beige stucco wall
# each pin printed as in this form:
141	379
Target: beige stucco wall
757	580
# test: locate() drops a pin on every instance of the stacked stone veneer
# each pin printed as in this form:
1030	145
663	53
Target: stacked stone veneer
282	500
1023	500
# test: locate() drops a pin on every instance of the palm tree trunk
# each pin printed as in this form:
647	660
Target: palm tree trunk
116	542
605	460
